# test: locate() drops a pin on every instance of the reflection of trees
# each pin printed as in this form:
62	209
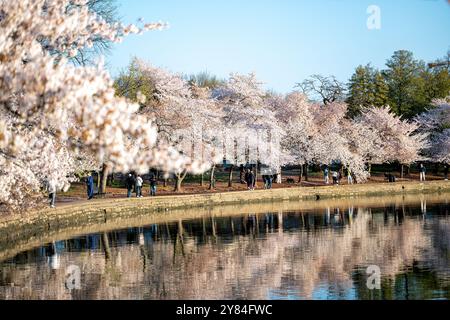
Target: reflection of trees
249	257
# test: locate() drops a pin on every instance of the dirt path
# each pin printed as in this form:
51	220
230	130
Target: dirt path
77	193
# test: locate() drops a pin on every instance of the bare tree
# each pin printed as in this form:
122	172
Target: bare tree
328	89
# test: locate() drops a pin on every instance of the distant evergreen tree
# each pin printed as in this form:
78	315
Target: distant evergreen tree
402	78
367	88
407	85
381	90
205	80
361	89
436	83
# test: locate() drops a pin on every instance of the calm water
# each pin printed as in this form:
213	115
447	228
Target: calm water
312	254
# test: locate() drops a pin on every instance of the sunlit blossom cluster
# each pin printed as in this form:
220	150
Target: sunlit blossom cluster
436	123
52	111
324	135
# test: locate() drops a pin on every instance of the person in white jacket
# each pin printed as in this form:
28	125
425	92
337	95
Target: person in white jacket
139	183
51	189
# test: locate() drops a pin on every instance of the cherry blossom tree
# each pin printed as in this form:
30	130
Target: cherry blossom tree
436	122
294	113
253	134
185	115
317	134
333	143
398	139
46	96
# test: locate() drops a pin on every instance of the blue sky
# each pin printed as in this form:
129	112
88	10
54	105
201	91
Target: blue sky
282	41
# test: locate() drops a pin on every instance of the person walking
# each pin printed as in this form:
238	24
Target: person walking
153	183
90	186
423	171
335	176
51	189
265	181
326	173
349	176
269	181
446	168
138	187
250	179
130	184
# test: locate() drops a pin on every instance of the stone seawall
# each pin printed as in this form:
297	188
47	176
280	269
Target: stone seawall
108	214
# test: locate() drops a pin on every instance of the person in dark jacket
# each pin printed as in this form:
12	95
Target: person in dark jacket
90	186
265	180
130	183
250	179
153	183
269	181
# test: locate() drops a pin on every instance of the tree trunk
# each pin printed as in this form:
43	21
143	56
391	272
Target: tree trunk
306	172
402	175
230	177
111	179
104	181
165	180
177	183
300	177
202	181
99	180
179	177
212	182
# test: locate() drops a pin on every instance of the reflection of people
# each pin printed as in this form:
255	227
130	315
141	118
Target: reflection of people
423	206
90	186
141	238
53	259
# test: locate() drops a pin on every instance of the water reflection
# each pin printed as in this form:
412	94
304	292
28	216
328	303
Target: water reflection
305	254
